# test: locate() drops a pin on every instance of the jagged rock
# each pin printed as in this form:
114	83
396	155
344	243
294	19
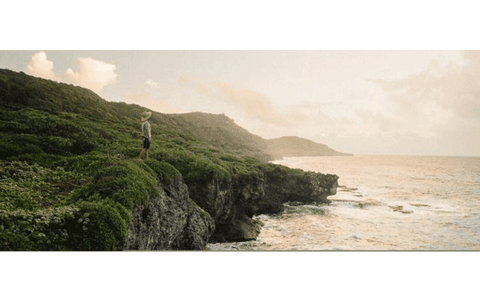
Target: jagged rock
215	197
169	221
306	187
233	202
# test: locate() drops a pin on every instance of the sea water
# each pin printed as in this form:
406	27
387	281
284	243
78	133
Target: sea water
382	203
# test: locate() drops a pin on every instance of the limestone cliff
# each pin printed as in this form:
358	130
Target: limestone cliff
233	202
221	210
169	221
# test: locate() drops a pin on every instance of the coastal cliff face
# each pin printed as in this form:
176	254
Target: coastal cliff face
220	210
169	221
233	202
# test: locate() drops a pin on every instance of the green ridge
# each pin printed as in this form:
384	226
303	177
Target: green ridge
69	173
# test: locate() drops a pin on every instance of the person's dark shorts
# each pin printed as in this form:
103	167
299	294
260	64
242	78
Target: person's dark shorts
146	143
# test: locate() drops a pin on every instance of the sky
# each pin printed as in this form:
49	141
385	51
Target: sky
366	77
357	101
388	101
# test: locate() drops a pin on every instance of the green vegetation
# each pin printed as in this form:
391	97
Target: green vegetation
165	172
69	173
295	146
83	208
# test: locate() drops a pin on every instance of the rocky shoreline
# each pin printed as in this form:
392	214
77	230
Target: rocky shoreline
221	211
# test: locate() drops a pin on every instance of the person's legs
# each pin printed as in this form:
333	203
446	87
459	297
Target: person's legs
145	148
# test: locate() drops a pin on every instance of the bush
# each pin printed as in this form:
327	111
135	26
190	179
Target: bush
45	229
126	183
193	167
30	186
84	204
164	171
103	225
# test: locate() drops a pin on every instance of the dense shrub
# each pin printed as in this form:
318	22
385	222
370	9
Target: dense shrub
33	131
69	176
103	225
193	167
41	229
126	182
164	171
86	207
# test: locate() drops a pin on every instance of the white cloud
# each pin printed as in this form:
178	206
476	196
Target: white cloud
435	111
151	83
92	74
454	88
40	66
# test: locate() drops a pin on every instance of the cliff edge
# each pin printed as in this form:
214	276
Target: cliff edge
70	177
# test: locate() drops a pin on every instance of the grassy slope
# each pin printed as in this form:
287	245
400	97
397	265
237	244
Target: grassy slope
69	176
68	173
295	146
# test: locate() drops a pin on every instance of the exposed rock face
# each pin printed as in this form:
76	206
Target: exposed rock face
215	196
233	202
169	221
221	210
306	187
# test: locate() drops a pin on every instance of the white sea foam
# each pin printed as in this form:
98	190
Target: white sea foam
382	203
385	203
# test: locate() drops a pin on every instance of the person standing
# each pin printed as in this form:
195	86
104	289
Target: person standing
146	134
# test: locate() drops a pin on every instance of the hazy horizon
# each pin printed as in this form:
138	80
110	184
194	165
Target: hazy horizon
359	102
362	102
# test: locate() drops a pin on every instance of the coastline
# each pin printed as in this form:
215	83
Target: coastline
393	203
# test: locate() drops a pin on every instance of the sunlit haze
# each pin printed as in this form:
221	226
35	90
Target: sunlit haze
360	102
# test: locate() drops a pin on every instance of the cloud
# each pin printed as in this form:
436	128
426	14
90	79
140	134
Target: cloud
434	104
253	104
92	74
40	66
151	83
454	88
433	112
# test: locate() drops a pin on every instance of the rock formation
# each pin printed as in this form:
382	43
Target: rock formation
169	221
233	202
221	210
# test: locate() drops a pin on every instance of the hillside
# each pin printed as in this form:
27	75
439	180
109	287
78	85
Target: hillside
223	132
64	100
293	146
70	178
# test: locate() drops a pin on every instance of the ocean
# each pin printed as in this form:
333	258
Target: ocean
382	203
